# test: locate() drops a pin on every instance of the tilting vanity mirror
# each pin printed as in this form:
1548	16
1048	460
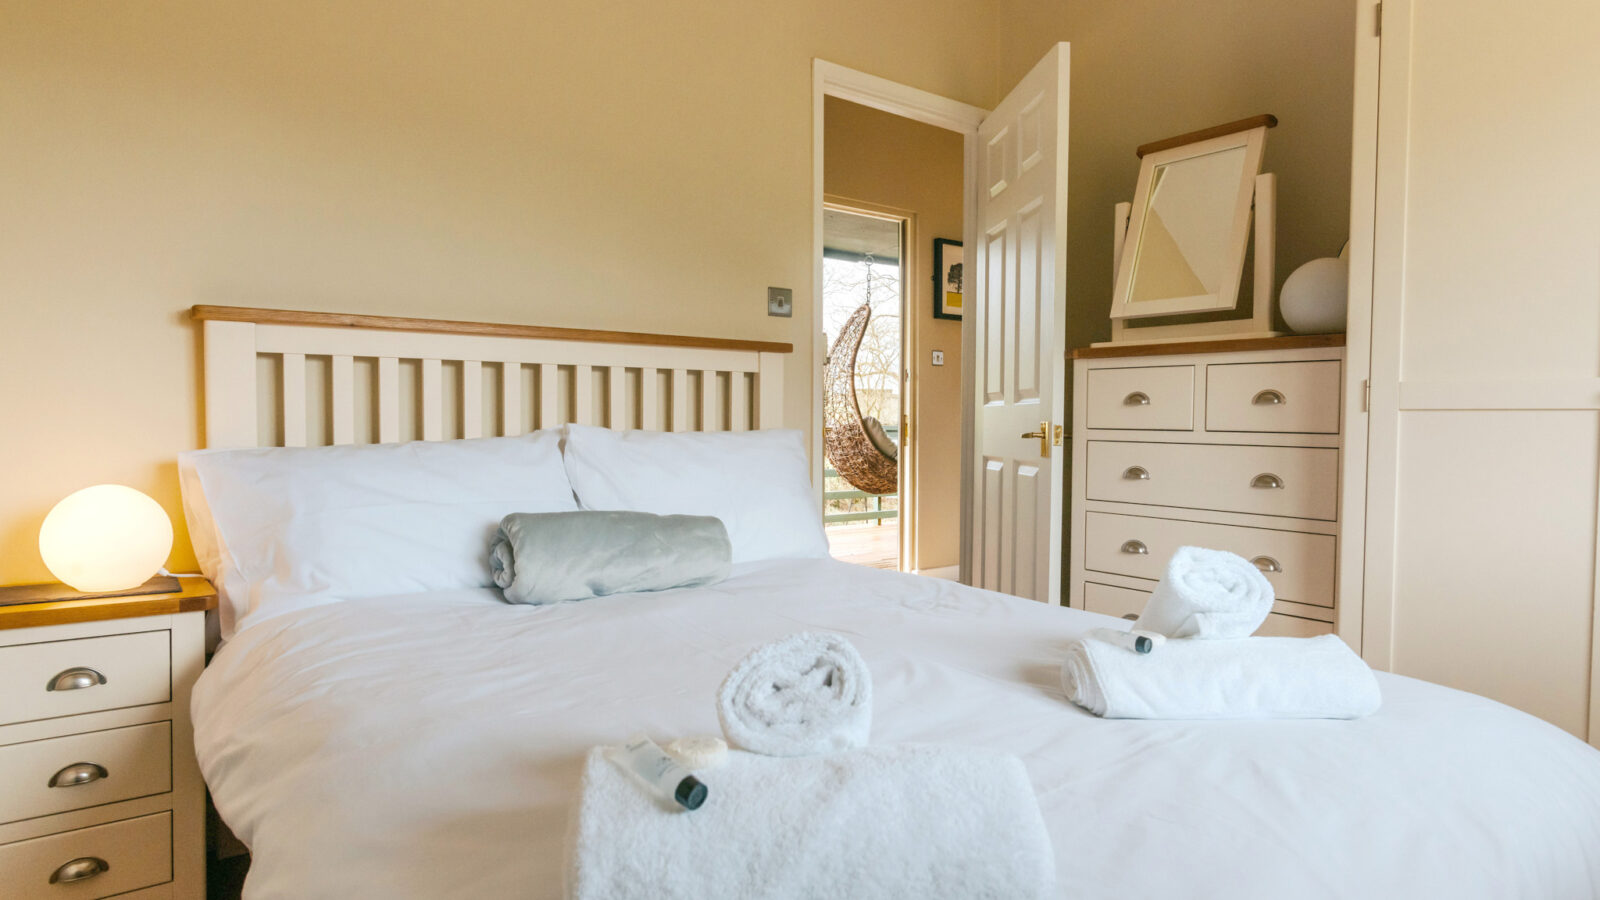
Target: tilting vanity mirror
1188	227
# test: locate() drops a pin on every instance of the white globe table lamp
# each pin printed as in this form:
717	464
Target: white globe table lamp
105	539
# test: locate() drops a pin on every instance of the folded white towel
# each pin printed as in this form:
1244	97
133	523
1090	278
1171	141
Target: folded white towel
807	693
1208	594
1244	678
882	822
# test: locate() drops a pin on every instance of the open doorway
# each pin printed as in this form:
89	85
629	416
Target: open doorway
892	212
863	261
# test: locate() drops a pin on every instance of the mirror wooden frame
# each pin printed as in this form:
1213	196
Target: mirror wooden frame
1249	134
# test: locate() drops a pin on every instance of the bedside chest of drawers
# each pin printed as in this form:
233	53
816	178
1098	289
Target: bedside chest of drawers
1232	445
99	791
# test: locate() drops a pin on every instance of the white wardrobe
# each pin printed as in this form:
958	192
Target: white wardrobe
1473	467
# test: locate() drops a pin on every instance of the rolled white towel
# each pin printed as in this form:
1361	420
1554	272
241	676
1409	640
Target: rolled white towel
1244	678
807	693
1207	594
880	823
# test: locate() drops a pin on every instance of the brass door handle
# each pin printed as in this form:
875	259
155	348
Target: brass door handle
1043	435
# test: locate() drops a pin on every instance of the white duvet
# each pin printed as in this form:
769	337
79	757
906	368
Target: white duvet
430	746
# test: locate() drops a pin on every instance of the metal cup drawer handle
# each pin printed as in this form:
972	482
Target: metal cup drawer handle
75	679
1136	473
78	773
1268	481
1267	564
1137	398
1131	617
1137	548
1269	397
80	869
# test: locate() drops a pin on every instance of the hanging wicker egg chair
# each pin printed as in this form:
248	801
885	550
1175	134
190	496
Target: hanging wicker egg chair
851	449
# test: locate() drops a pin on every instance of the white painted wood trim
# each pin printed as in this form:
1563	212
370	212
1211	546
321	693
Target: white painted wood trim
549	396
898	99
294	399
1546	394
738	402
232	391
769	414
510	398
471	398
583	395
432	400
1350	599
230	384
616	398
388	398
343	408
1388	284
969	381
649	399
833	80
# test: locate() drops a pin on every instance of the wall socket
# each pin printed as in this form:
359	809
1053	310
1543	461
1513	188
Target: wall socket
780	302
938	357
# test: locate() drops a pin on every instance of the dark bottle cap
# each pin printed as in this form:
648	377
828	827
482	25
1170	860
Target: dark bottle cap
691	793
1143	644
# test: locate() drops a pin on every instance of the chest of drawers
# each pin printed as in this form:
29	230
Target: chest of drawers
100	795
1229	446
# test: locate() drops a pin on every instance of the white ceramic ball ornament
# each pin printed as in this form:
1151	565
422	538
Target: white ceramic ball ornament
105	538
1315	298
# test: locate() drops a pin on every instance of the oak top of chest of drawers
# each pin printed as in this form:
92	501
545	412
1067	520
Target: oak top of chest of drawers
1235	345
197	595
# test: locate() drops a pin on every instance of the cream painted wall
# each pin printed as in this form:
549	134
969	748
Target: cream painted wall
890	160
622	163
1143	70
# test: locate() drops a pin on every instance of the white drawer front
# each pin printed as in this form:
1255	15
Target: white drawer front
1298	482
1128	603
122	670
136	853
1113	601
116	764
1149	398
1290	397
1300	566
1279	625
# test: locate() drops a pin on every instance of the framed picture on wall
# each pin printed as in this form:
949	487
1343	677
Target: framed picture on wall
947	272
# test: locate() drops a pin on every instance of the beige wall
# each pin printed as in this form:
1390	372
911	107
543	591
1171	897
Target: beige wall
1143	70
888	160
620	163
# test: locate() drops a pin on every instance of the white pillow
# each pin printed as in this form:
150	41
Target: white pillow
757	482
280	528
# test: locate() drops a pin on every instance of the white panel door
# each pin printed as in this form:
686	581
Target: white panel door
1485	345
1018	299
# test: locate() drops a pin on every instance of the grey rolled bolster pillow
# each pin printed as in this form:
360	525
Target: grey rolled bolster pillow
550	557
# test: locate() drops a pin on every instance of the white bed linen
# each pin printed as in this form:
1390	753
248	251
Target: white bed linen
430	746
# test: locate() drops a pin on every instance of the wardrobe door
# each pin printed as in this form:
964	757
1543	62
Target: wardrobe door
1484	429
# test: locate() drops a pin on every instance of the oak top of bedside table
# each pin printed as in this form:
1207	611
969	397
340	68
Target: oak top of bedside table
197	595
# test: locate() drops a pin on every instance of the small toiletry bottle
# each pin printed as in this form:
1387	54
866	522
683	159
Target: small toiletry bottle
661	772
1136	640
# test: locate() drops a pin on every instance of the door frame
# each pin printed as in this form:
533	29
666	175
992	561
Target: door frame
906	487
833	80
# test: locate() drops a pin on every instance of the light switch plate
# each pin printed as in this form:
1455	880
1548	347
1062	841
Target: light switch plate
938	357
780	302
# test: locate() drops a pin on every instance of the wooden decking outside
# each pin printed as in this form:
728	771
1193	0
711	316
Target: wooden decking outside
875	545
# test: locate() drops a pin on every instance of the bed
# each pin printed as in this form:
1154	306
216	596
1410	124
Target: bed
428	743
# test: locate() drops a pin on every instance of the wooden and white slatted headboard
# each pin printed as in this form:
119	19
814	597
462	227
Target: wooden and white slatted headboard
292	379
